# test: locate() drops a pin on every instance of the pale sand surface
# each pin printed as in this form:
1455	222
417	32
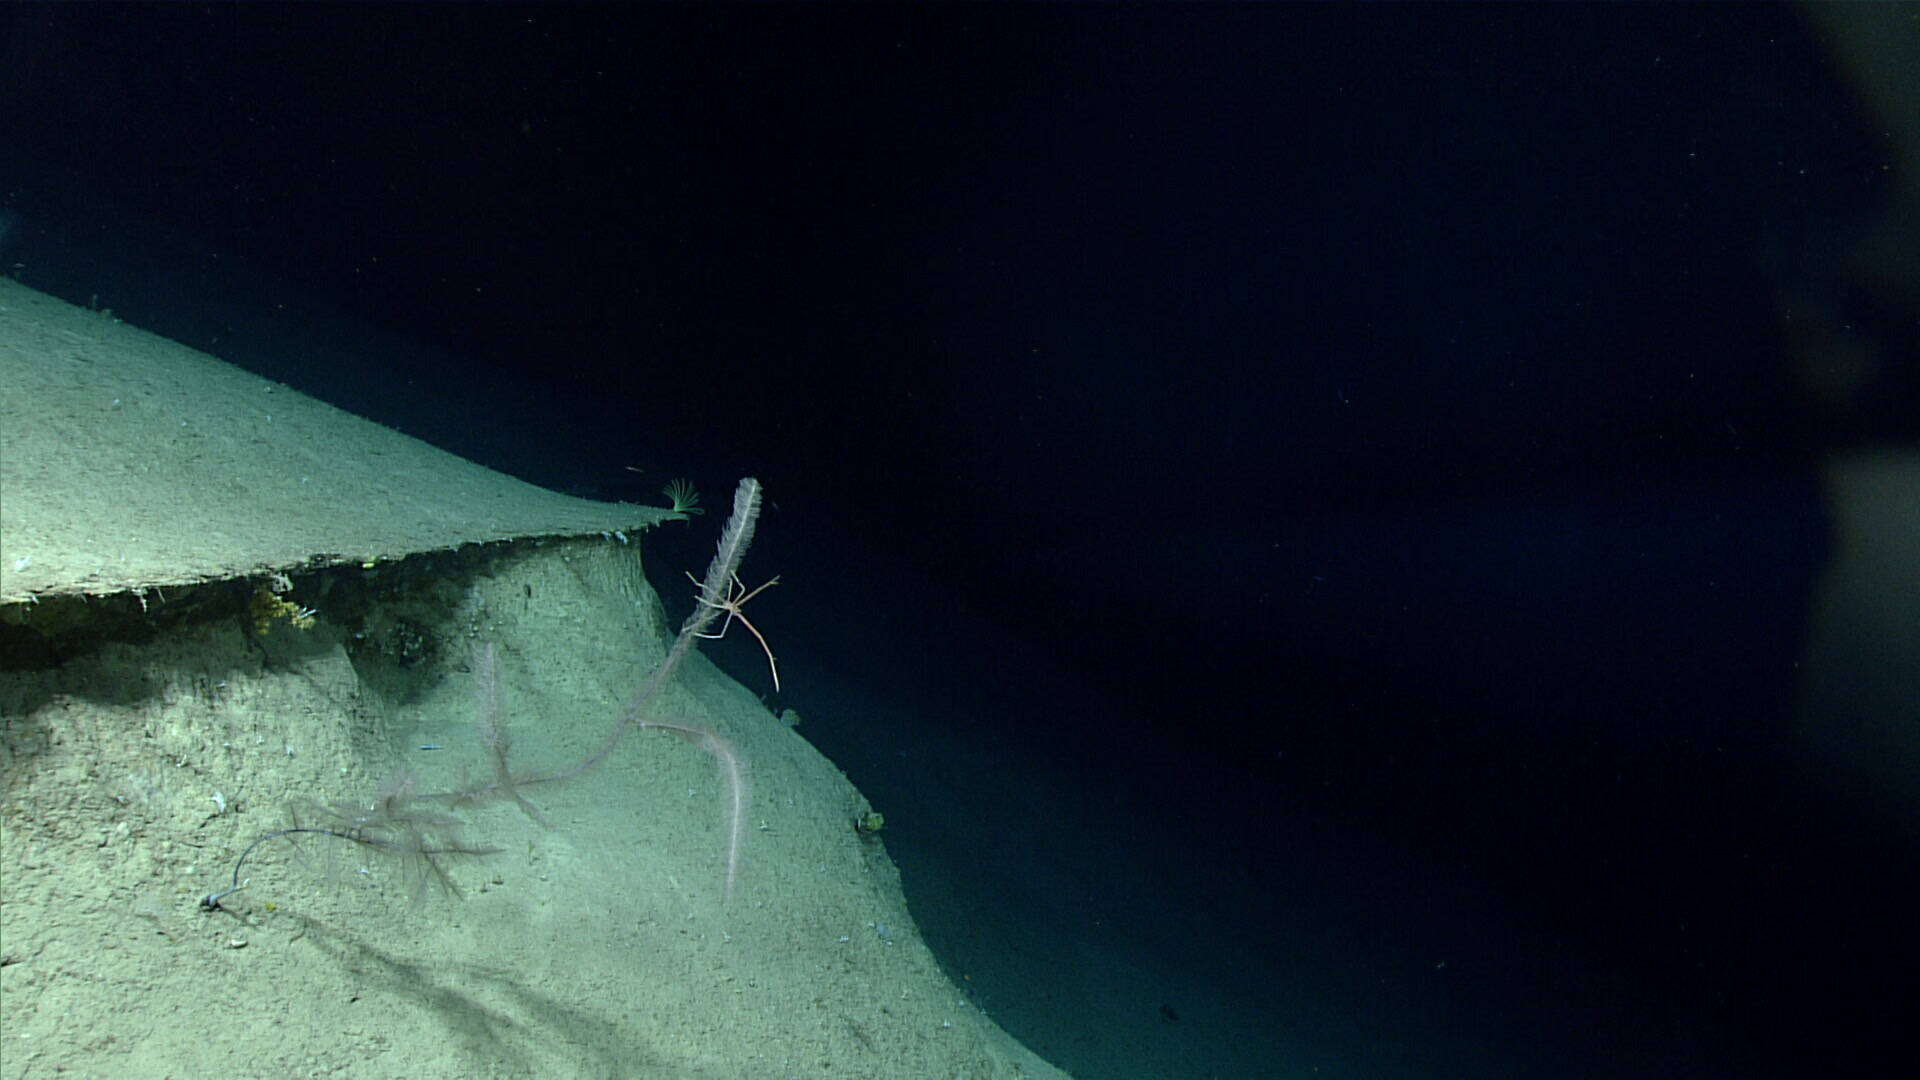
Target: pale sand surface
128	461
156	720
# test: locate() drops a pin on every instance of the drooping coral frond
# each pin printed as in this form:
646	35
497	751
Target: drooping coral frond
685	499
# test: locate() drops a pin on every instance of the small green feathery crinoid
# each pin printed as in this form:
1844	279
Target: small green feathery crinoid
685	499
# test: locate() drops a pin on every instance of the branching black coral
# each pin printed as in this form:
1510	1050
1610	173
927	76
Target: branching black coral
396	823
422	831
